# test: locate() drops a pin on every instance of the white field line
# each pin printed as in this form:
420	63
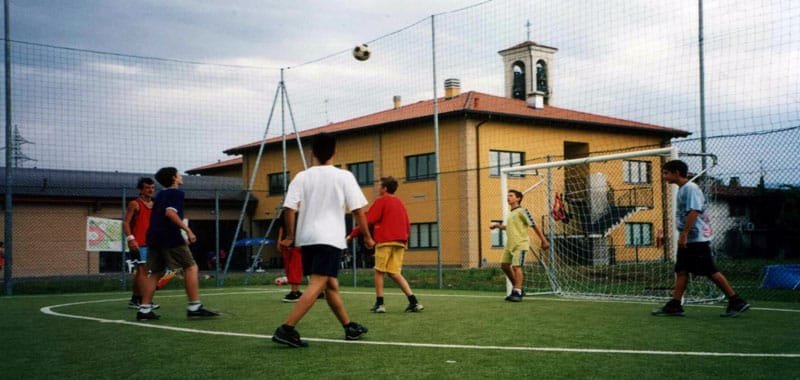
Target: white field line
48	310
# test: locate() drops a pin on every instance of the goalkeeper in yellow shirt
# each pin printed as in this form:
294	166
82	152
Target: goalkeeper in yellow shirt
517	242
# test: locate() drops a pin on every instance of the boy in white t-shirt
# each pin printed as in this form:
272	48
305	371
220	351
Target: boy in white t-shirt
322	194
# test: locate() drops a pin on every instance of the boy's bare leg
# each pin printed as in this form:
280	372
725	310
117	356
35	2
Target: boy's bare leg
509	273
334	300
723	284
681	281
307	300
191	282
378	283
400	281
518	277
148	288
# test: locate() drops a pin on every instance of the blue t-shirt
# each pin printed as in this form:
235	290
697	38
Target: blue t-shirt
690	197
163	233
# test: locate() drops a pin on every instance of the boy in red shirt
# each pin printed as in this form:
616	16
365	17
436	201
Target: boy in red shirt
389	219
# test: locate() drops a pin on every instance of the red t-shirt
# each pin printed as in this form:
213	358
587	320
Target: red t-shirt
389	219
141	222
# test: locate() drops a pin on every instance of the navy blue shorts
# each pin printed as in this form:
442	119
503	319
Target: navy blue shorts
321	259
696	258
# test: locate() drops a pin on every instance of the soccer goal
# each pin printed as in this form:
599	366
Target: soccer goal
609	223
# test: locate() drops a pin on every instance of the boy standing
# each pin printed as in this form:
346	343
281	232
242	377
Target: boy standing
168	248
135	225
694	249
389	219
517	243
321	193
292	263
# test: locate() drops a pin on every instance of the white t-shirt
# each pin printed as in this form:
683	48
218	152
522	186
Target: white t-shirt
323	194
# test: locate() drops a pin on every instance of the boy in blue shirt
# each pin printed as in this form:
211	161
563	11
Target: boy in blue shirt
694	249
167	247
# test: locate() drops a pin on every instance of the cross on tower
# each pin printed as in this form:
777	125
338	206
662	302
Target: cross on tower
528	28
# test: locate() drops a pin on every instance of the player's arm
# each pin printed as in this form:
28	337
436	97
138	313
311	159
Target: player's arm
691	219
133	208
497	226
363	226
288	225
172	216
545	244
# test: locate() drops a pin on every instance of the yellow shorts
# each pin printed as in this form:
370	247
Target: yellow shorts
515	256
389	257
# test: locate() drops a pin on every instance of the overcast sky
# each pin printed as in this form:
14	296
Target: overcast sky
633	59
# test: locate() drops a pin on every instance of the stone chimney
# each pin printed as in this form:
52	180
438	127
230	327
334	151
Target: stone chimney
452	88
397	101
536	100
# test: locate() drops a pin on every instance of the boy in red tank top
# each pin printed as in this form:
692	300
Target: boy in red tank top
135	225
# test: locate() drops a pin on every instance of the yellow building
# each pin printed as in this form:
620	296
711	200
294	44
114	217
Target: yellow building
478	134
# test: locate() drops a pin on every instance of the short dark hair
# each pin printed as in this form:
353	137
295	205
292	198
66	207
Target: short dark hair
517	194
144	181
166	176
676	166
389	183
323	146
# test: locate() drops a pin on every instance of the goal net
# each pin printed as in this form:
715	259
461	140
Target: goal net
609	222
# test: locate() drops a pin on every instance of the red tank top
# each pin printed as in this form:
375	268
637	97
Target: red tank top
141	222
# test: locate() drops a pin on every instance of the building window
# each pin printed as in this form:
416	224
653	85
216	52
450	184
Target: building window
423	235
422	166
498	235
636	172
363	172
638	234
276	183
500	159
518	84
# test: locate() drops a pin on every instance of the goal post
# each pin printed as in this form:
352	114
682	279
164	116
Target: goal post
609	223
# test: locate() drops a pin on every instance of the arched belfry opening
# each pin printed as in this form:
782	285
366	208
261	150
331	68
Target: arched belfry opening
529	71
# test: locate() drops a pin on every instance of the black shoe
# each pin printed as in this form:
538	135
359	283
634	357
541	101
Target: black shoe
289	338
514	297
292	297
201	313
354	331
149	316
133	304
673	308
735	307
414	308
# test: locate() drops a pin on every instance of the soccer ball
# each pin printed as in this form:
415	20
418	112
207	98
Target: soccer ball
361	52
281	280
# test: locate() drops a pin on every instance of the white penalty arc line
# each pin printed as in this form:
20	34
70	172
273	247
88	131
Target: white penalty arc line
48	310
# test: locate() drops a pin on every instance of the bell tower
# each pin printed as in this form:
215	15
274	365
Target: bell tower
528	70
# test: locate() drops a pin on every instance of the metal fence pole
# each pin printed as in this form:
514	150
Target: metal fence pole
124	240
436	156
216	239
8	229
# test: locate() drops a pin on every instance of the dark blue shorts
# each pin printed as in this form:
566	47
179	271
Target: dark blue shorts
321	259
696	258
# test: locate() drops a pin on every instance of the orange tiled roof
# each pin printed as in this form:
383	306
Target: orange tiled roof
216	165
477	103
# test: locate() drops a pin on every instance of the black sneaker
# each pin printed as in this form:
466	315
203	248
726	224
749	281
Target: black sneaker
354	331
672	308
417	307
735	307
289	338
201	313
292	297
149	316
514	297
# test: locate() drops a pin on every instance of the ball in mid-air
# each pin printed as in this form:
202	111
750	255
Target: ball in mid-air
361	52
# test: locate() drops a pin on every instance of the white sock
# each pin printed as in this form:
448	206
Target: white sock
194	305
516	290
144	309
